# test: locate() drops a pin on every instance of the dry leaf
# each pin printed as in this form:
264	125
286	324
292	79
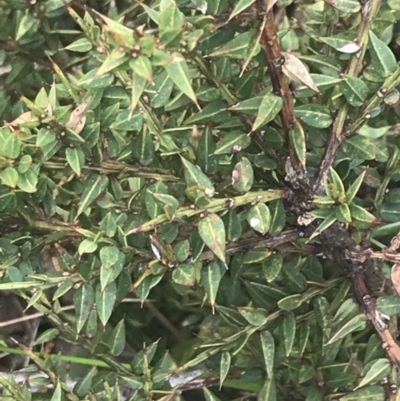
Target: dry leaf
78	117
271	3
349	48
295	70
395	277
23	118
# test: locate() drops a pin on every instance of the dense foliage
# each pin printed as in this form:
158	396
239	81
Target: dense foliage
152	152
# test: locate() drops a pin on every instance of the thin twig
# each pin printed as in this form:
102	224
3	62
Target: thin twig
63	309
337	136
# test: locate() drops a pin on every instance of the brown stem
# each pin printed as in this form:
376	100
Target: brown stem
296	172
337	136
366	281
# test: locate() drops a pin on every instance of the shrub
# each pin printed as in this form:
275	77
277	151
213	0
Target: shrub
208	184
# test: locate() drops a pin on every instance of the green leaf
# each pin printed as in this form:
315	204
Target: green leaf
212	232
389	304
204	154
243	176
370	393
361	215
117	339
341	45
354	90
321	309
9	177
327	222
314	115
259	218
255	316
298	139
383	60
343	213
141	65
278	217
57	395
76	159
84	385
209	396
87	246
171	22
8	200
27	26
111	63
184	275
352	191
376	372
232	142
82	45
347	6
109	225
169	204
138	86
27	181
198	186
237	48
268	392
233	226
160	92
105	300
109	256
214	111
224	366
269	108
83	302
143	147
337	188
94	185
24	164
291	302
355	324
289	332
268	349
178	71
240	6
272	266
211	278
10	145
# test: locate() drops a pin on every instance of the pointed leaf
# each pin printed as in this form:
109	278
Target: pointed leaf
240	6
143	147
383	59
243	176
76	159
352	191
224	366
268	348
298	140
289	332
83	302
354	324
270	106
378	371
259	218
117	339
212	232
211	278
370	393
355	90
94	185
178	71
105	301
295	70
